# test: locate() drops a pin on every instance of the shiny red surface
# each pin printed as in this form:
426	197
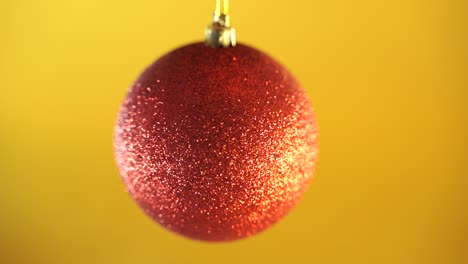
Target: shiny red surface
216	144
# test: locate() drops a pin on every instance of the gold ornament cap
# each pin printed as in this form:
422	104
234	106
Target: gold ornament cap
220	34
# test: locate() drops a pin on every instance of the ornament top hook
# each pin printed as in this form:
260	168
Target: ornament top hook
220	34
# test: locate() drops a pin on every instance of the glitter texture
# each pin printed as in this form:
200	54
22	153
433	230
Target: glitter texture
216	144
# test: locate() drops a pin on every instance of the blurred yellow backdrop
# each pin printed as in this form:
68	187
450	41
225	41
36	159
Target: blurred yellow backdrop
387	81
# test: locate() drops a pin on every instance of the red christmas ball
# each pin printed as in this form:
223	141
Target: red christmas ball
216	144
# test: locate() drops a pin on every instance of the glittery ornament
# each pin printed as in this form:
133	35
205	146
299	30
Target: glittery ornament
216	144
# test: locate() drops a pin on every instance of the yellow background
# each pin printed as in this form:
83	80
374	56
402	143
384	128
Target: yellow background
387	81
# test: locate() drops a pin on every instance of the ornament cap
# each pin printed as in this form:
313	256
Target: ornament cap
220	34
